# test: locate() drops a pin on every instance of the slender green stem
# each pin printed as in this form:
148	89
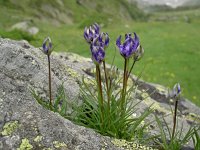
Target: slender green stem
174	118
49	68
100	94
124	83
131	69
107	87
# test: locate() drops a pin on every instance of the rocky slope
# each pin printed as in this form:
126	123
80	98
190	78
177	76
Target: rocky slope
68	12
155	5
24	124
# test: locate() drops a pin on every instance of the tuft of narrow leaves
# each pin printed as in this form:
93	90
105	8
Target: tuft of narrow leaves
167	140
196	138
60	104
118	123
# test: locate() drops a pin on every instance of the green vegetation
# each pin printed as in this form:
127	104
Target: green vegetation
168	58
196	139
17	35
175	142
172	50
110	108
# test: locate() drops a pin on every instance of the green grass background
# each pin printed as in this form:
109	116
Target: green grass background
172	48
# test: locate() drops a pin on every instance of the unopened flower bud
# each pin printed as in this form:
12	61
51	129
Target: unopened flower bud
176	91
47	46
139	53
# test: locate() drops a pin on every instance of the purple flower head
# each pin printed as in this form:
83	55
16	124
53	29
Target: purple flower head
98	54
104	38
129	46
91	32
47	46
98	46
98	42
101	40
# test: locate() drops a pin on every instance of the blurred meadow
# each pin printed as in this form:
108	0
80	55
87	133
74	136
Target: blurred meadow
170	37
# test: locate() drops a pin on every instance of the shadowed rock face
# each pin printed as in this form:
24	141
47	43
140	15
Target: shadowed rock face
24	123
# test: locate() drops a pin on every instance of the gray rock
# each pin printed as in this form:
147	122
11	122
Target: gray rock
33	30
25	123
25	26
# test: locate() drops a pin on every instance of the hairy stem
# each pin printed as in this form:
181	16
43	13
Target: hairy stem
100	94
174	118
49	68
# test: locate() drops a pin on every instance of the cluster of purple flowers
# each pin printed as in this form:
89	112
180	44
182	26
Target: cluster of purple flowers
98	42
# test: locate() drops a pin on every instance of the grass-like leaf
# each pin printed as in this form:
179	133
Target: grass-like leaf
196	138
117	123
60	103
167	142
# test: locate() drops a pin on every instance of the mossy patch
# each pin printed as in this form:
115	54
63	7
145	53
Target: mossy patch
58	144
25	145
9	128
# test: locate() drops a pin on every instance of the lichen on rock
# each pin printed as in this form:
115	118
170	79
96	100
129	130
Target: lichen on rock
130	145
37	138
9	128
58	144
25	145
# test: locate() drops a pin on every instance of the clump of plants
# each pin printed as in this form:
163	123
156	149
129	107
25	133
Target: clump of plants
174	139
109	106
108	109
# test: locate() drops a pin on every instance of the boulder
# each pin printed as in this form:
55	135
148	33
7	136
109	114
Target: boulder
26	27
25	124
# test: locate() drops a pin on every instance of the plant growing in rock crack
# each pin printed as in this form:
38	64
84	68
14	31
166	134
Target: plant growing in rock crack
109	107
60	102
47	49
176	138
110	110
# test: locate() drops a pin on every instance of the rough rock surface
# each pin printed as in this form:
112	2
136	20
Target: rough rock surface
24	124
